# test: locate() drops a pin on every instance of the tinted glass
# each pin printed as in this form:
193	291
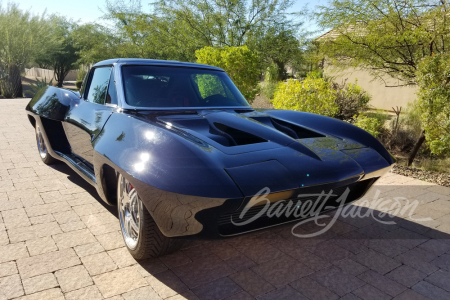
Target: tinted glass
111	97
154	86
99	85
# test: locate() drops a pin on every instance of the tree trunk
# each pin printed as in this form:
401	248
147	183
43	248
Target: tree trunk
16	80
416	148
280	66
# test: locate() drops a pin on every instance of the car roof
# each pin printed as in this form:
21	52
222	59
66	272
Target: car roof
155	62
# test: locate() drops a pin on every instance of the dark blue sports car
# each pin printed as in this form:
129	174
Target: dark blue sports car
182	154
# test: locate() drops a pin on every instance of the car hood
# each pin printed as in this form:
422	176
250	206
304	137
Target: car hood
261	150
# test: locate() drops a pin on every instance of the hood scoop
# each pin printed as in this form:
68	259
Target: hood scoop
294	131
228	136
238	133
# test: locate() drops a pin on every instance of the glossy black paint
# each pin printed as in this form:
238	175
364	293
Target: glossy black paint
191	166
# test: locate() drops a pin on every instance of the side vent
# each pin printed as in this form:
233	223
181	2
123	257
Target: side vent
294	131
234	137
56	135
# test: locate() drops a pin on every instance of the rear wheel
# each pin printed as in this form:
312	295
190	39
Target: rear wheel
140	232
42	147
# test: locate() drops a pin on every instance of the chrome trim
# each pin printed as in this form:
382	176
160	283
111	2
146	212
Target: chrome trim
78	167
119	86
189	108
42	147
130	211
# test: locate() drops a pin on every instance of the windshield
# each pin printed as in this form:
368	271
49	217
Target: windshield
157	86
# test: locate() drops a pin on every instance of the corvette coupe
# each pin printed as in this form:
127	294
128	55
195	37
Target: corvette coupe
180	152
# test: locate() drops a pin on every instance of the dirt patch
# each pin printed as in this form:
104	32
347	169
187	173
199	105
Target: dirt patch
261	102
429	176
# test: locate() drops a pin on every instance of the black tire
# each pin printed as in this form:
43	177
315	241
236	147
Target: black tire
150	242
42	147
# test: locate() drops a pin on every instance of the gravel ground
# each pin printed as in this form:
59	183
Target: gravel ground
429	176
261	102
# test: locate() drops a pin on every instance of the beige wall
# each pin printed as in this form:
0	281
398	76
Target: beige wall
382	97
48	74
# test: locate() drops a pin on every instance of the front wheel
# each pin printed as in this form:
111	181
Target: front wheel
42	147
140	232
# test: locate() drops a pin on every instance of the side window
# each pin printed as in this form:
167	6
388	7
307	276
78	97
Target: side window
99	85
111	97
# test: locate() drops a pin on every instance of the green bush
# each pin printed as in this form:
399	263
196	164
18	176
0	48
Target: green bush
268	89
271	74
310	95
434	101
241	64
370	124
351	100
378	114
78	84
318	94
316	74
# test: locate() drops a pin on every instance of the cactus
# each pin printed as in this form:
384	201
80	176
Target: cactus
11	84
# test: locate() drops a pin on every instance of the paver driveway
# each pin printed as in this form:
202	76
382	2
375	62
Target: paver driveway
58	240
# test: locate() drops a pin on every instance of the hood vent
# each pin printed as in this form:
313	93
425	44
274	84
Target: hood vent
229	136
294	131
243	111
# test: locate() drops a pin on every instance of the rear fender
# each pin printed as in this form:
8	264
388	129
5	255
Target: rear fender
52	102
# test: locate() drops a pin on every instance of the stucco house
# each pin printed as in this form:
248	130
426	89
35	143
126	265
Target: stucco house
385	95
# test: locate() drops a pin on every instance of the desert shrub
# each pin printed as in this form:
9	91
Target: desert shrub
403	132
410	119
312	95
436	164
434	101
370	124
241	64
351	100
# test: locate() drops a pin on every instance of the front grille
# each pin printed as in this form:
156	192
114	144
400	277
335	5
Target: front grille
357	190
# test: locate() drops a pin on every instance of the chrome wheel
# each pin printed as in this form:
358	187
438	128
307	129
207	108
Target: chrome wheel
130	208
41	143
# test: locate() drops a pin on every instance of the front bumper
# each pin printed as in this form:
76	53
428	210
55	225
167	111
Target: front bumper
180	215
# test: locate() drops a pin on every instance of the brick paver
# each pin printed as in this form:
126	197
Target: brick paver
59	241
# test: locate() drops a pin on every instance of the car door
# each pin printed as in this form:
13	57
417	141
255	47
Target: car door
85	120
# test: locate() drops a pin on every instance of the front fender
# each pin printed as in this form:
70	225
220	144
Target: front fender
162	159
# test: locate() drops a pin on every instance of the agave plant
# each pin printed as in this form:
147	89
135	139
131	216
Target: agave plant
40	84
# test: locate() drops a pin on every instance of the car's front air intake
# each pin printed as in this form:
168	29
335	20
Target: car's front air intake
356	191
